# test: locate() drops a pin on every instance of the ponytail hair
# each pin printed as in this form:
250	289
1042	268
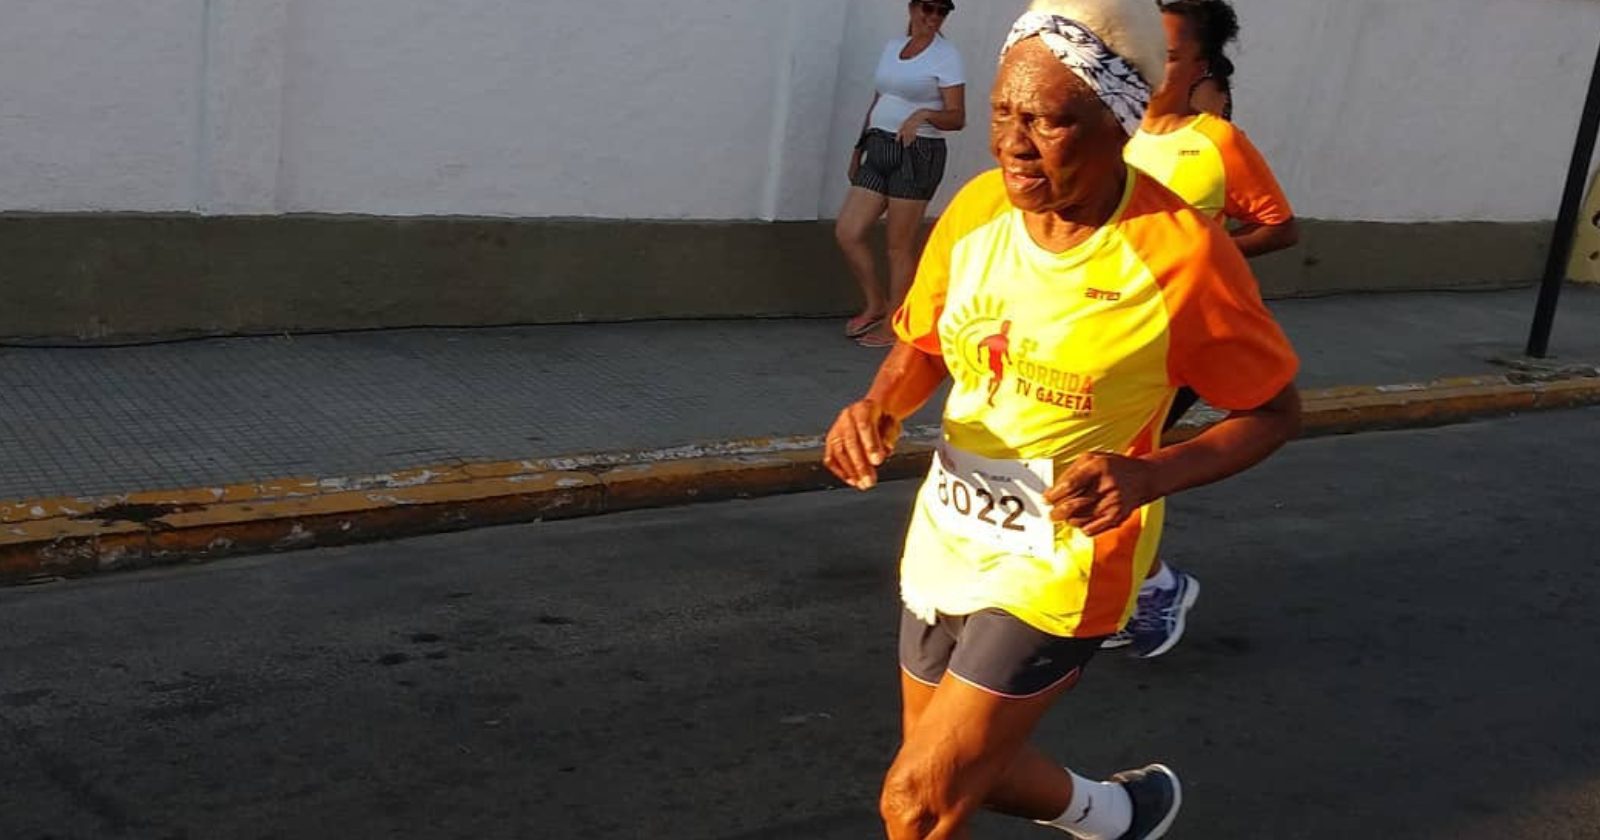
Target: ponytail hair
1222	68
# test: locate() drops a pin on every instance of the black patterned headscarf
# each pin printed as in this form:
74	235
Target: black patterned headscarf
1118	83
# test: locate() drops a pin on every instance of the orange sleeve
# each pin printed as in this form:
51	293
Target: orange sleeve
916	322
1253	194
1224	344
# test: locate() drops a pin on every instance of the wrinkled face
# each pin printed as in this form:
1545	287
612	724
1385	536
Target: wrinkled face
1057	143
1185	64
927	17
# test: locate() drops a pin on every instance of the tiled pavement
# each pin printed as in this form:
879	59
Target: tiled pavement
93	421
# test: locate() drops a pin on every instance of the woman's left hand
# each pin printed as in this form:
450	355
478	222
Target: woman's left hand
1101	490
908	129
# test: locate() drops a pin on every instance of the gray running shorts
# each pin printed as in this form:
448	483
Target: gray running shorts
993	650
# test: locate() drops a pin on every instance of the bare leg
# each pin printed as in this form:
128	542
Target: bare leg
965	748
904	228
860	212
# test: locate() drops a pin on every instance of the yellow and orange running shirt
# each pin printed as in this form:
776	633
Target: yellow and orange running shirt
1215	167
1052	355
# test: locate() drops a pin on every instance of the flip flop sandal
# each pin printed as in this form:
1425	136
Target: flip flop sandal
876	340
854	328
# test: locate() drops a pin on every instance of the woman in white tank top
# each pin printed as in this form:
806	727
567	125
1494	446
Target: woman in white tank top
898	161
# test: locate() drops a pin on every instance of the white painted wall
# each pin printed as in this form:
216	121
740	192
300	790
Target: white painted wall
1417	110
718	109
98	104
580	108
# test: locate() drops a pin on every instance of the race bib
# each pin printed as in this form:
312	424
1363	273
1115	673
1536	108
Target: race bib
996	502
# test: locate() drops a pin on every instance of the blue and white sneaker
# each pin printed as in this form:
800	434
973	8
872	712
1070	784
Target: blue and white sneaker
1158	620
1157	795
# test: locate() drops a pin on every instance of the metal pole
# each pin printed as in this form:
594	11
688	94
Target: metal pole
1555	269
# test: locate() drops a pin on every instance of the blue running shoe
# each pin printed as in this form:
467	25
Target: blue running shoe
1156	796
1158	620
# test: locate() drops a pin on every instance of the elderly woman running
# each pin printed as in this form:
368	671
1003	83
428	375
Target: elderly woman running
1067	297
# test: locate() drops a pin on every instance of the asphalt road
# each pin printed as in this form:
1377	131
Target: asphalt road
1399	637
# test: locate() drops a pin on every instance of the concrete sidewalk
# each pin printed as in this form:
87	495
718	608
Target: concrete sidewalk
101	421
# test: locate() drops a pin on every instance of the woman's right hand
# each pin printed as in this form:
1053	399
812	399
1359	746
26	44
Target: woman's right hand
855	164
861	440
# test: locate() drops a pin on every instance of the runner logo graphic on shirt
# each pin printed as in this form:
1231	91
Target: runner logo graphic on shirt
998	346
981	336
986	354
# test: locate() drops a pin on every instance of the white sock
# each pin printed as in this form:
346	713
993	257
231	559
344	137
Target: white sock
1163	579
1099	810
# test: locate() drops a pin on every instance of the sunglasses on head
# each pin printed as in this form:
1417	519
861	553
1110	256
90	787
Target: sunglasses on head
938	9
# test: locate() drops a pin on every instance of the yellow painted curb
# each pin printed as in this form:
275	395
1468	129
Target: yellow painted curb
45	539
1449	401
